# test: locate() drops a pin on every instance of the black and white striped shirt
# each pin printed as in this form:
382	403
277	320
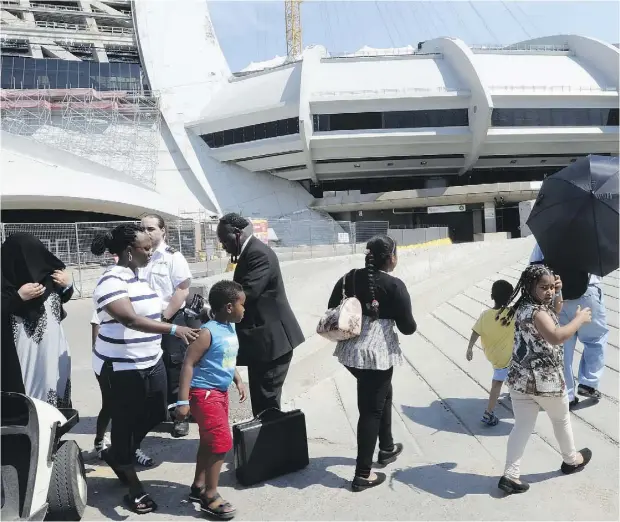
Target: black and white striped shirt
127	349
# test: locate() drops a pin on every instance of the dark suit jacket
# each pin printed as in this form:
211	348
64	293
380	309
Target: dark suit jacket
269	328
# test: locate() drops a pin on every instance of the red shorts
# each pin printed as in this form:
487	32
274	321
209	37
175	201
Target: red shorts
210	410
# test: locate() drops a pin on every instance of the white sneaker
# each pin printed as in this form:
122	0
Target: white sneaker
143	459
102	445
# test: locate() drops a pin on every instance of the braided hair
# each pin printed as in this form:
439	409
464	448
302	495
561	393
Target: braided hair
379	250
523	292
117	241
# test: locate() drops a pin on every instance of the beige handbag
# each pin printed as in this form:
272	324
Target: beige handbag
345	321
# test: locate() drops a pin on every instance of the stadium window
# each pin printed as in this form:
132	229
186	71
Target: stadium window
272	129
238	135
556	117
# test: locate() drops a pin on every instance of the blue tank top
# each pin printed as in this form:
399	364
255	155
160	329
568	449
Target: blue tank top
216	369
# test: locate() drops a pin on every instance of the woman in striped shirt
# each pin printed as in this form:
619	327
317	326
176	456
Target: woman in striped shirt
129	345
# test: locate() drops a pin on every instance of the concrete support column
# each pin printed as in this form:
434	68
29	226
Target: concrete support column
489	217
478	221
525	208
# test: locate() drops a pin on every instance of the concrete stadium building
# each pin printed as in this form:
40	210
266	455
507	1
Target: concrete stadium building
101	114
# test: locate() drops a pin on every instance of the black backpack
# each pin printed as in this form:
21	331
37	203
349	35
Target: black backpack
574	282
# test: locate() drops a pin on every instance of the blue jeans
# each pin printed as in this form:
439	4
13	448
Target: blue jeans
592	335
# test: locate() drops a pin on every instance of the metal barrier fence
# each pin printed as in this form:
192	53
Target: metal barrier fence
197	241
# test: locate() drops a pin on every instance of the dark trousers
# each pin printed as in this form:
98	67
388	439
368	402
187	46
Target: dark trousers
138	405
174	352
265	380
105	386
374	402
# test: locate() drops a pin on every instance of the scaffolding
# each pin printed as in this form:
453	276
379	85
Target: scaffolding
117	129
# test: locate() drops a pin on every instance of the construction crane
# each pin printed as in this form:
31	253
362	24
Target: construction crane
292	16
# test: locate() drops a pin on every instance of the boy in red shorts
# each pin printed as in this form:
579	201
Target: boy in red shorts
208	370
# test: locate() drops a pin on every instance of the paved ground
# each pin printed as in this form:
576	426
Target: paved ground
452	462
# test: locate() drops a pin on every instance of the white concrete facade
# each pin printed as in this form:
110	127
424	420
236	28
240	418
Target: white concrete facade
272	176
563	72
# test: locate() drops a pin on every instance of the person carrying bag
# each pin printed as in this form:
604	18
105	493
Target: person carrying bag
371	354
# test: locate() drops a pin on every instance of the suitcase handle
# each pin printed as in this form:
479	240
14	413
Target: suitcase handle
259	415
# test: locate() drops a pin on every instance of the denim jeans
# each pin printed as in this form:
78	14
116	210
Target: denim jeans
592	335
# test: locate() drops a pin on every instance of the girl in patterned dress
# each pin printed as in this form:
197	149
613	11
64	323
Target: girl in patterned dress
371	356
536	374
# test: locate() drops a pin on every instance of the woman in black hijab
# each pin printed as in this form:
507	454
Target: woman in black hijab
35	352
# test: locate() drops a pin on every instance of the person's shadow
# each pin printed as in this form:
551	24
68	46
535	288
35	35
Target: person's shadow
106	495
316	473
443	481
433	416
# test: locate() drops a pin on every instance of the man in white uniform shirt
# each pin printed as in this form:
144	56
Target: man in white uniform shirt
169	275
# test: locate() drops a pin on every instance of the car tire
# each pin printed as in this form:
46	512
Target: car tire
67	494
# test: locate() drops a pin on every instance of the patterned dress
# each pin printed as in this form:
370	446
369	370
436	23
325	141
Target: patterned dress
376	348
537	366
43	354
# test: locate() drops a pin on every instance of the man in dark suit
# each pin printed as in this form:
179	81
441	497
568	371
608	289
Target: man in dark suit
269	330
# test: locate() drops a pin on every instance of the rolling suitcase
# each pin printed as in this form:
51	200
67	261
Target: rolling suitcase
270	445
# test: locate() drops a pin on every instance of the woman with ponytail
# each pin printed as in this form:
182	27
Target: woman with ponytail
128	353
372	356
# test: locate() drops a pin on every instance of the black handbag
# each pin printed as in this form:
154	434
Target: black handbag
270	445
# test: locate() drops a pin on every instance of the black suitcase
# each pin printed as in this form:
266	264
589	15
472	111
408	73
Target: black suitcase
270	445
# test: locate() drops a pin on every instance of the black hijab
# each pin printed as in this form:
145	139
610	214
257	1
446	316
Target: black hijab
26	260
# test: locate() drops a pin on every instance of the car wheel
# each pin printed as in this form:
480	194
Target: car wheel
67	491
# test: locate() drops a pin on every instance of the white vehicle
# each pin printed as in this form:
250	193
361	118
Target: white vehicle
43	477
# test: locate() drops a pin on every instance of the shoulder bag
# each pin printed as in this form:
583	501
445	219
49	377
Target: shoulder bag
345	321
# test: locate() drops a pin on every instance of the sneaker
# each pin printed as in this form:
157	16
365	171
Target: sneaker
143	459
101	445
180	429
573	403
588	391
490	419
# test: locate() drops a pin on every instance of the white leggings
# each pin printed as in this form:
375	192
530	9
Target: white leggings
525	409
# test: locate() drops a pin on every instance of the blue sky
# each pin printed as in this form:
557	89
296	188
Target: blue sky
254	31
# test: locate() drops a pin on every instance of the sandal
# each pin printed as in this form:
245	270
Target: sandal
222	511
107	457
490	419
141	504
195	493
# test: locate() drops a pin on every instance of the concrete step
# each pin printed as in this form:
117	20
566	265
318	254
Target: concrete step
314	361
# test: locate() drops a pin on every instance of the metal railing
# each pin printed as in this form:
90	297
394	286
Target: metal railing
369	53
520	47
394	92
196	239
84	28
553	88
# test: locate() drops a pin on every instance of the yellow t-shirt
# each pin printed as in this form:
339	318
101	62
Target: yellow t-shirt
497	339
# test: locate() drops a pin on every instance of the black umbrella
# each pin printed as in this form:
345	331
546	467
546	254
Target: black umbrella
575	218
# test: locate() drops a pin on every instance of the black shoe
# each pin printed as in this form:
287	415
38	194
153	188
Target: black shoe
573	403
588	391
387	457
180	429
510	486
567	469
361	483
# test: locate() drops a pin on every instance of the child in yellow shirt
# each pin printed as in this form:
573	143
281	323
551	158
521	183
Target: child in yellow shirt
497	343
